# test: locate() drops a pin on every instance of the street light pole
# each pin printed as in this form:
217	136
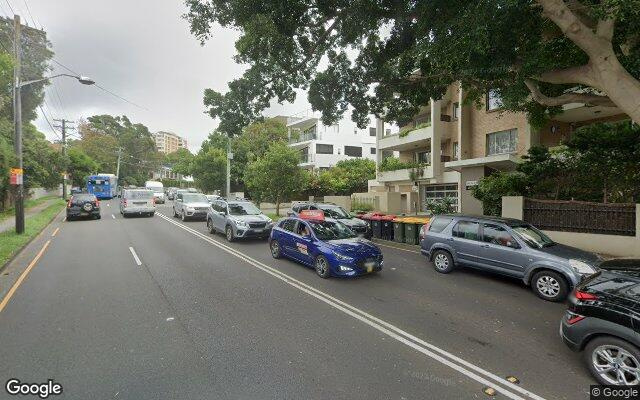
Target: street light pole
229	157
17	121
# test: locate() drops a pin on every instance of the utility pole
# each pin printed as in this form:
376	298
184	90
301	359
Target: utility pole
118	165
229	158
17	120
63	126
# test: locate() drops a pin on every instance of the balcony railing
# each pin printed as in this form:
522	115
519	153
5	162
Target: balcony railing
302	137
306	158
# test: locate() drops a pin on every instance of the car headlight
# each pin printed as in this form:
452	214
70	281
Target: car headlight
342	257
581	267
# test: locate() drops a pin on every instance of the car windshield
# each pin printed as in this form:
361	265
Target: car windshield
532	237
335	212
194	198
243	209
83	197
330	230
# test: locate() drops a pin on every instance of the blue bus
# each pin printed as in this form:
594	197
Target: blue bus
103	186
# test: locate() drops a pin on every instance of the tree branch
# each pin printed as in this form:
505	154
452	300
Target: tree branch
581	74
579	33
579	9
605	28
586	98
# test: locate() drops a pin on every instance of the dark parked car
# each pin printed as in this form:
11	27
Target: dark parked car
333	212
603	320
83	205
509	247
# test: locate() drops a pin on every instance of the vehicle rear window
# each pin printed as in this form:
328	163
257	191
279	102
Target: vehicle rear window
139	194
467	230
83	197
439	223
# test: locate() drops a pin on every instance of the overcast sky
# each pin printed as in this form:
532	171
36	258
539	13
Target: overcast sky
143	51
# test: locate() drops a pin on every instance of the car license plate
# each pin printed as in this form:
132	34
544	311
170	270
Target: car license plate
370	265
369	268
258	230
84	213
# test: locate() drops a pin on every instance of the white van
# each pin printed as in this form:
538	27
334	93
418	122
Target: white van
158	190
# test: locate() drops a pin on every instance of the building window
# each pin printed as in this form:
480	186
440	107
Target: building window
456	111
494	101
439	192
456	151
387	131
355	131
373	150
324	148
372	131
423	157
353	151
502	142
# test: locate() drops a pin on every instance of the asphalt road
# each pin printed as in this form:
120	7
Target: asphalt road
200	318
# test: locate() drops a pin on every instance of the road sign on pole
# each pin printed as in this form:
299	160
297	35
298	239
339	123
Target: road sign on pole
16	176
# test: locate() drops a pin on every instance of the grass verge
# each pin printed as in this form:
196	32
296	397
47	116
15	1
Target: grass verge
274	216
27	204
11	243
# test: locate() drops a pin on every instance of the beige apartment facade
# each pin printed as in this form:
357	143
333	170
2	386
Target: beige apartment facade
450	146
168	142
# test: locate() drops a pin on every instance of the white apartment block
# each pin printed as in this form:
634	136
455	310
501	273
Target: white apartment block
322	146
168	142
450	146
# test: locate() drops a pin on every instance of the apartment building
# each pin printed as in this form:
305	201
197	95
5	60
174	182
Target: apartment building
322	146
449	147
168	142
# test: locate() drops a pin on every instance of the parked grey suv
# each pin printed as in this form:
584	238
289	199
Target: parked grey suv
509	247
238	219
190	206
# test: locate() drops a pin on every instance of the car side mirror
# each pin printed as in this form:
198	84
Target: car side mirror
513	245
179	200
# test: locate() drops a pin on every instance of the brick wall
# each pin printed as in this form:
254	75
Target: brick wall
484	122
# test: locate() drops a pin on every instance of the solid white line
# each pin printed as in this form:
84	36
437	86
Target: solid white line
462	366
135	256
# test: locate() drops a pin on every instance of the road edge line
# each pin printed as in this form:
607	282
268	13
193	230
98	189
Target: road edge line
23	276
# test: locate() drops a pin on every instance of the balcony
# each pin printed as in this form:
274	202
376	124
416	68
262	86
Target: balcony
306	159
303	137
407	140
407	174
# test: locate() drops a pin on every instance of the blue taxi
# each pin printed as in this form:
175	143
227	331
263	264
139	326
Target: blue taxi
327	245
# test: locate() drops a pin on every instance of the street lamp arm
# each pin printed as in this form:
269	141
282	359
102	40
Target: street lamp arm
82	79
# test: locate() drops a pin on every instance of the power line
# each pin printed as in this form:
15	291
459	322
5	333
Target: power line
29	12
49	122
9	4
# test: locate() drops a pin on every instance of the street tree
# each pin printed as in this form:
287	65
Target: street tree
209	169
80	165
180	161
390	57
276	176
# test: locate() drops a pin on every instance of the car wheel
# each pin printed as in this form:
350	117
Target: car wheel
613	361
443	262
275	249
322	267
98	216
210	226
550	286
229	233
175	214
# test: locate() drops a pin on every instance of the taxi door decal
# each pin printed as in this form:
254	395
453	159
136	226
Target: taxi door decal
302	248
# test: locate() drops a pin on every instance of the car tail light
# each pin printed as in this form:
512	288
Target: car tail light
124	202
153	201
424	230
97	203
69	203
584	296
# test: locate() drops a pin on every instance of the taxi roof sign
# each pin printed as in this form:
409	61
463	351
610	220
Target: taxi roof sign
315	215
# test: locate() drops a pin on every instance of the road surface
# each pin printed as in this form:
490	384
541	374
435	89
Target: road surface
153	308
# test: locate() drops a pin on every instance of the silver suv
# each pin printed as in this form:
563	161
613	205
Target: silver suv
190	206
508	247
238	219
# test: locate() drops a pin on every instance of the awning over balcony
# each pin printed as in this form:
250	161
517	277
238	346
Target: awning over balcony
505	162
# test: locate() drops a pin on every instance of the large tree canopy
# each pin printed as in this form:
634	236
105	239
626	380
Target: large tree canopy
394	55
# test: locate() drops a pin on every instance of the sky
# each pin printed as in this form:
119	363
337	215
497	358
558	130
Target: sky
141	50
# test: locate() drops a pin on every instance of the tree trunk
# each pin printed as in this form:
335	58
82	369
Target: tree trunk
622	88
277	206
604	192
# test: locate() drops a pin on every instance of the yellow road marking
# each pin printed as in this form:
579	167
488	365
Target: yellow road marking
23	276
55	232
